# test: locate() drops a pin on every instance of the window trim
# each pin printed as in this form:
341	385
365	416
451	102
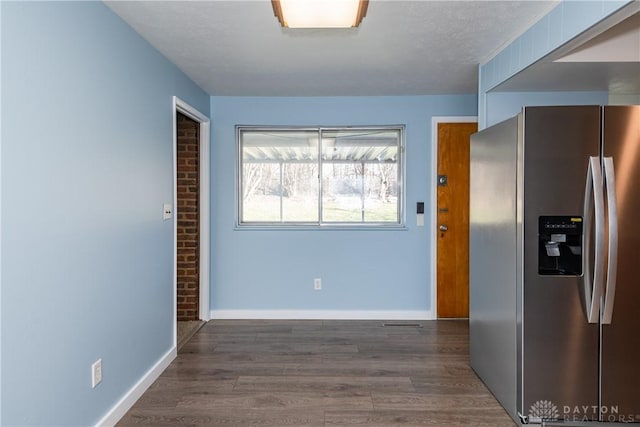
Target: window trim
319	224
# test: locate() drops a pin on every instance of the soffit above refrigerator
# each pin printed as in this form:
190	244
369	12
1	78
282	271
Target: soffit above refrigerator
604	58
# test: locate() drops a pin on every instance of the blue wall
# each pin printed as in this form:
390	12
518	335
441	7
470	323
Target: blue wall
361	269
86	166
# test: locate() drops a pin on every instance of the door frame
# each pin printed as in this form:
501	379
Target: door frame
434	201
204	311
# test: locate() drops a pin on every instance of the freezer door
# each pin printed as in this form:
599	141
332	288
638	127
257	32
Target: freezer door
621	338
492	260
559	348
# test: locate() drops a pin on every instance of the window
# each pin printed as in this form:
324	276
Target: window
320	176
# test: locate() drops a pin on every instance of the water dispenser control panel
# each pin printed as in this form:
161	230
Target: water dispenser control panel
560	245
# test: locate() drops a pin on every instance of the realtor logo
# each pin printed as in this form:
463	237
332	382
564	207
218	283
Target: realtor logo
543	410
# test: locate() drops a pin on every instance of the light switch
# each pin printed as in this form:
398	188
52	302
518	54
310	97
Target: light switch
420	220
167	211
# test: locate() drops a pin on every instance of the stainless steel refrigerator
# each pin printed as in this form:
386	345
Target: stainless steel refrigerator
555	263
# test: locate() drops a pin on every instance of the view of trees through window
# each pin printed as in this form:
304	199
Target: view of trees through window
303	176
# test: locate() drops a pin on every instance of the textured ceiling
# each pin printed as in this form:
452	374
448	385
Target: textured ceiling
402	47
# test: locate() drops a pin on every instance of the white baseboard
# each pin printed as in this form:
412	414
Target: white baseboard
131	397
323	314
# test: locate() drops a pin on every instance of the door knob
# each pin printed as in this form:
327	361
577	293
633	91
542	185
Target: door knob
443	227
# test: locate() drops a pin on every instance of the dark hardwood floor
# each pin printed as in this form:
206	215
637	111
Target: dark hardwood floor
321	373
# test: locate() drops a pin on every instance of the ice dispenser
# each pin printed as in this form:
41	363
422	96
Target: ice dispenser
560	245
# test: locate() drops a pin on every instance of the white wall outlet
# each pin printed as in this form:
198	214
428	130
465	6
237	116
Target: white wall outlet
96	373
167	211
317	284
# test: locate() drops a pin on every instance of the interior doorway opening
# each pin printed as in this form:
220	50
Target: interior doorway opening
191	224
187	217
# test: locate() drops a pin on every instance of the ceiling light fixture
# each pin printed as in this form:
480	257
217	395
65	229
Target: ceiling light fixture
320	13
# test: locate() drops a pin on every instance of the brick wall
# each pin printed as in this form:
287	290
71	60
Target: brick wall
188	218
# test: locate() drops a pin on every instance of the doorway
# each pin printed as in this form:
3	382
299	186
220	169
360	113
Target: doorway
188	216
191	223
451	232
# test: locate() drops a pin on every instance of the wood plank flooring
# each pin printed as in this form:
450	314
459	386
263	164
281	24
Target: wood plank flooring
320	373
186	329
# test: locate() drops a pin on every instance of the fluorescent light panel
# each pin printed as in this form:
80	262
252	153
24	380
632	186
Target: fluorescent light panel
320	13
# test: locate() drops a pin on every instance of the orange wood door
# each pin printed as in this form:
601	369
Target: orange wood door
453	219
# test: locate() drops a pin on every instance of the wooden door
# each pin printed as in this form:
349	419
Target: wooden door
453	219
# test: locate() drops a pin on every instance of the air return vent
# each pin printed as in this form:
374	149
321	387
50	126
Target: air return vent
403	325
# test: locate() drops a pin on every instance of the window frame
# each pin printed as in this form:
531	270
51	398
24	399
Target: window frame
320	224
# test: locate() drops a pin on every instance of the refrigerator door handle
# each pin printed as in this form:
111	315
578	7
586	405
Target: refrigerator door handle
593	197
612	259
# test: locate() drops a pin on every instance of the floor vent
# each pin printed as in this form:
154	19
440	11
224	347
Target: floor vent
406	325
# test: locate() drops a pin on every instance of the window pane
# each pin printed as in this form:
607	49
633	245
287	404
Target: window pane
360	176
341	189
300	192
261	192
280	172
381	202
279	176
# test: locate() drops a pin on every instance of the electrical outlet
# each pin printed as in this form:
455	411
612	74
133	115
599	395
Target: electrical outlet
317	284
167	211
96	373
